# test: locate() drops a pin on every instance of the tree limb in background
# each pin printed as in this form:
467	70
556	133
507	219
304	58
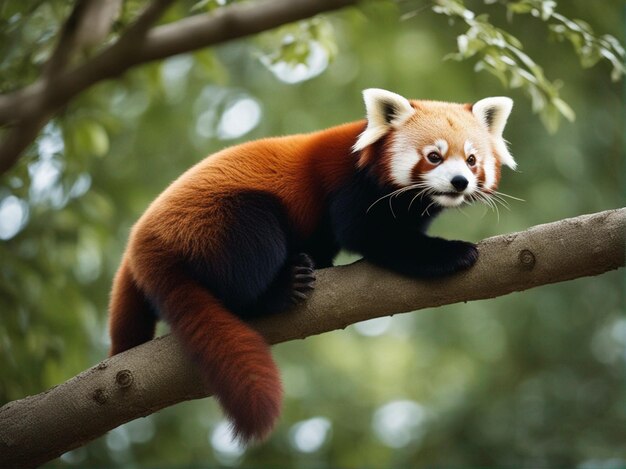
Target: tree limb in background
87	26
157	374
26	111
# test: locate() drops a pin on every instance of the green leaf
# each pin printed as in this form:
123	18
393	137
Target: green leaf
519	8
564	109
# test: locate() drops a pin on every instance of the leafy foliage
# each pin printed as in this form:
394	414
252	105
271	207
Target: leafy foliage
501	54
590	48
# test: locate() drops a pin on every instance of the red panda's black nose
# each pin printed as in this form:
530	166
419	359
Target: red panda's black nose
459	183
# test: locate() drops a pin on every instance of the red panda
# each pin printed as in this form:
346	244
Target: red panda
239	234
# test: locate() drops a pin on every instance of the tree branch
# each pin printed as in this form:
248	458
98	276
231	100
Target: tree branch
33	105
88	24
155	375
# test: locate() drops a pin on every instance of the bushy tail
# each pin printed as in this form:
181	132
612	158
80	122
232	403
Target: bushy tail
235	358
131	319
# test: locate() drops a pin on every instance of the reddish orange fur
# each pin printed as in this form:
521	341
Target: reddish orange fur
133	321
188	221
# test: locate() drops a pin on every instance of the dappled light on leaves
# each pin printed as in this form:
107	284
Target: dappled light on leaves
314	63
299	52
13	216
225	113
309	435
239	118
174	72
400	423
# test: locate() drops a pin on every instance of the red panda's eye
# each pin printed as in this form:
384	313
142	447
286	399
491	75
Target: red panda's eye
471	160
434	157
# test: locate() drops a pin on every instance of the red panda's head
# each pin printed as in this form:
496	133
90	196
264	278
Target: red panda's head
452	152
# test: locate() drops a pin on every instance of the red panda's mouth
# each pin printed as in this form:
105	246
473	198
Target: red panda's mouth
448	199
449	194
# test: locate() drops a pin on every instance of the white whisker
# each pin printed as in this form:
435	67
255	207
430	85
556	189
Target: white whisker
509	196
396	193
420	194
426	209
490	202
379	199
391	208
462	211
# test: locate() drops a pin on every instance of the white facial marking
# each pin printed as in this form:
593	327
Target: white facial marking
489	167
469	148
403	160
439	180
487	161
430	149
442	146
441	176
448	201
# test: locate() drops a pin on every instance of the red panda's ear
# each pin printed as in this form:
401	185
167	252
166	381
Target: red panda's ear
493	113
385	110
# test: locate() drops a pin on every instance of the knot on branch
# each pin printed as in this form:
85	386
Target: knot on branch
100	396
124	378
527	259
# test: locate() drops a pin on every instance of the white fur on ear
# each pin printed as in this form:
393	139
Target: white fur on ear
493	113
384	110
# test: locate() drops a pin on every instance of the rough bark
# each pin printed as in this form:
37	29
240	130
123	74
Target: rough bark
157	374
24	112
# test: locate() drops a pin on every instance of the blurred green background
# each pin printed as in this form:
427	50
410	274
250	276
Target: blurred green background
532	379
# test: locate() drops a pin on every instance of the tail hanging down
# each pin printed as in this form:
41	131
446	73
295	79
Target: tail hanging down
235	359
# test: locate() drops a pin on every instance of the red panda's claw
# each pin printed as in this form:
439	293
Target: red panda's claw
303	278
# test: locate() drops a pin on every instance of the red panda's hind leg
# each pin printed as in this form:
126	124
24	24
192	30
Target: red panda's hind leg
131	317
292	285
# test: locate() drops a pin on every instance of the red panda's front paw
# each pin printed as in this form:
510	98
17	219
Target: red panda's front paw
470	256
461	255
444	257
